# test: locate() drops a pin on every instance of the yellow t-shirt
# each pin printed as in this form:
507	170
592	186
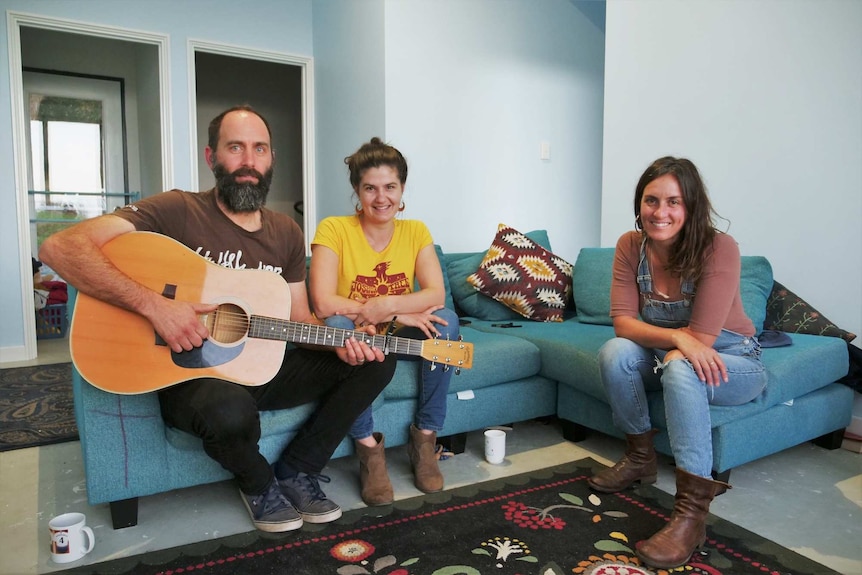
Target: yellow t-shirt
364	272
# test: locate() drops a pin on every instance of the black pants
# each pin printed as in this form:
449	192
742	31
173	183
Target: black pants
226	415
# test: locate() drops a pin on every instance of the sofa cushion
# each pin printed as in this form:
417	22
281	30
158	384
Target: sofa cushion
524	276
755	283
569	350
492	365
811	363
469	301
448	302
591	285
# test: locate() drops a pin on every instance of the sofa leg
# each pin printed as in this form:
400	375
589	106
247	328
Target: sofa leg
830	440
573	431
724	476
455	444
124	513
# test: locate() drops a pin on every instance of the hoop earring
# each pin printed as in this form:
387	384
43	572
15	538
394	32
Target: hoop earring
402	206
638	225
358	208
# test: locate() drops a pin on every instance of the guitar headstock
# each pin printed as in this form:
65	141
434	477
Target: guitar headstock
456	353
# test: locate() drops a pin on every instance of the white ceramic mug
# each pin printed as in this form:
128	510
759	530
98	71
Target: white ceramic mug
495	446
68	534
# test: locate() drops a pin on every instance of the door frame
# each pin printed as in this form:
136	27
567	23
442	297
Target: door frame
306	65
14	22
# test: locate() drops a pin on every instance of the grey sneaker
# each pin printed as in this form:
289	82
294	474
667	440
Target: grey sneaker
304	492
271	511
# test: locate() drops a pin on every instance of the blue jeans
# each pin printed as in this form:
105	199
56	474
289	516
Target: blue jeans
433	387
629	370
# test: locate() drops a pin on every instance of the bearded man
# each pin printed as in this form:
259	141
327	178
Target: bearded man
230	226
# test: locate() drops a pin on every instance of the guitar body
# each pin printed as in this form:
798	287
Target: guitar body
118	351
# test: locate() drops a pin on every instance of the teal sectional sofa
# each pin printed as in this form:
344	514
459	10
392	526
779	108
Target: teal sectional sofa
519	373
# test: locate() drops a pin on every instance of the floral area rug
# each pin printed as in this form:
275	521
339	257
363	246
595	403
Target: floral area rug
36	406
546	522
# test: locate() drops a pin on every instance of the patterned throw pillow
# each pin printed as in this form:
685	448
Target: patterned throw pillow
786	311
524	276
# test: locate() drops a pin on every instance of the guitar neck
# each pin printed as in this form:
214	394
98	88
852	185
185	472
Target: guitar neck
312	334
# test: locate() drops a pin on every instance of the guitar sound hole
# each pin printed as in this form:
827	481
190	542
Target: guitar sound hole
227	324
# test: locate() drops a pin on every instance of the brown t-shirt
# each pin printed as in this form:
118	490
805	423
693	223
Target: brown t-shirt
194	219
717	301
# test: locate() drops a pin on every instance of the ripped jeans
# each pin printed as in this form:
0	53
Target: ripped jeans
629	370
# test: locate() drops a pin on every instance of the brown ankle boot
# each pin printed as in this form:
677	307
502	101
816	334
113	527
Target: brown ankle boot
423	459
376	487
673	545
638	464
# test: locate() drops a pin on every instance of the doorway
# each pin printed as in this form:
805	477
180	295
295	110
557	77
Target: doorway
61	47
280	87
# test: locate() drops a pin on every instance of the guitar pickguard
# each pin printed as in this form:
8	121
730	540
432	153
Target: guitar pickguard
210	354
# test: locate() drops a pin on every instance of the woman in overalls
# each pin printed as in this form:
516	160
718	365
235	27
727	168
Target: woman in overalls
681	328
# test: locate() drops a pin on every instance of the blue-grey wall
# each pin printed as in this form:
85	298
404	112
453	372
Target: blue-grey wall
275	25
766	98
473	89
350	92
467	89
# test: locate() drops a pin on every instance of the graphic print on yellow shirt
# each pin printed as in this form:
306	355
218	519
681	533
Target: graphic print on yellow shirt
381	283
363	272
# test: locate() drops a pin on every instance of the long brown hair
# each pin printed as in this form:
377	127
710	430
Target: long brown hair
698	232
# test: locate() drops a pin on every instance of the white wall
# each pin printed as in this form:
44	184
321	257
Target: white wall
472	89
766	98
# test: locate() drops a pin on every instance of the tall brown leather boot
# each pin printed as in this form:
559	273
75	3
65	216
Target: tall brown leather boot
376	487
423	459
638	464
673	545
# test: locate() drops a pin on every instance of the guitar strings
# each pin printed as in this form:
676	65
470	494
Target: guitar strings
240	322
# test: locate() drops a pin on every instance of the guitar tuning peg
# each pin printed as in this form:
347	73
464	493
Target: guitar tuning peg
433	366
457	371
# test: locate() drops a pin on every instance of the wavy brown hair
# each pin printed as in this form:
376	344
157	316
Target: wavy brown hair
374	154
698	232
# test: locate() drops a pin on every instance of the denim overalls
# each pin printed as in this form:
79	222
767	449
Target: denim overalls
628	370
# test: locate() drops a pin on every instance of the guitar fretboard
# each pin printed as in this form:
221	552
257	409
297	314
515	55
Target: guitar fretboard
291	331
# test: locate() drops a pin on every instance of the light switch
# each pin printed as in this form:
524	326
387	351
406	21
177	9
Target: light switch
545	153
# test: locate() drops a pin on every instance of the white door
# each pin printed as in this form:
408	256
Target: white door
75	150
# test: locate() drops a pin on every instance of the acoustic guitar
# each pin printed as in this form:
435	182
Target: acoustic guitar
119	351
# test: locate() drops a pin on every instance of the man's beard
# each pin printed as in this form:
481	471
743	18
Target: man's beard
242	197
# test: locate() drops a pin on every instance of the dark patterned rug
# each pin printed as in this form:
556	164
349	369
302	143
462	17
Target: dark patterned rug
546	522
36	406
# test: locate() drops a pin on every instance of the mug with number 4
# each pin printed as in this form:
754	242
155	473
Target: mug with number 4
71	539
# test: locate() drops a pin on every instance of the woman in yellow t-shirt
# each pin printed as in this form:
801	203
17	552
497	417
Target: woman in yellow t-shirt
364	268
